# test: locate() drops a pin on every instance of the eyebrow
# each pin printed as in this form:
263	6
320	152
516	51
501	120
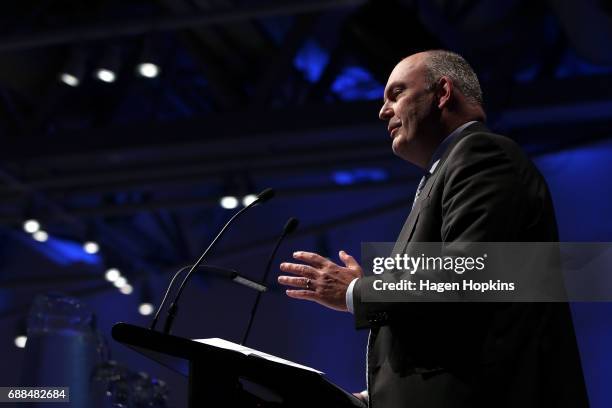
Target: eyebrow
390	88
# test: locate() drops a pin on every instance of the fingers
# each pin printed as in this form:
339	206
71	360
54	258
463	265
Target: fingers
297	282
348	260
303	294
320	279
299	269
311	258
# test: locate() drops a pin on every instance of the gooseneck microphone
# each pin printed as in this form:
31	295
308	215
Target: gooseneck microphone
226	273
262	197
290	226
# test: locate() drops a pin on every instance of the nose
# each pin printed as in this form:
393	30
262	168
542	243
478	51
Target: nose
386	112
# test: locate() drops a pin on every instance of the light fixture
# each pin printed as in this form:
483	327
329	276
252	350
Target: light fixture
248	199
108	66
126	289
20	341
146	306
31	225
146	309
74	71
90	244
40	236
21	336
91	247
69	79
112	274
148	63
106	75
147	69
120	282
229	202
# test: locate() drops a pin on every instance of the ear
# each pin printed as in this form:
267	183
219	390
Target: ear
444	91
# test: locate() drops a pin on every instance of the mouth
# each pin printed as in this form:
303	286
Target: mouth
393	130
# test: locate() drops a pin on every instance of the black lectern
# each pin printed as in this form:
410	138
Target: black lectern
219	377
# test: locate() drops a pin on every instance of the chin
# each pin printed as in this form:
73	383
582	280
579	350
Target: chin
394	147
400	146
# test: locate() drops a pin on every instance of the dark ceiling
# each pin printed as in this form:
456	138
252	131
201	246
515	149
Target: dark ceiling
254	94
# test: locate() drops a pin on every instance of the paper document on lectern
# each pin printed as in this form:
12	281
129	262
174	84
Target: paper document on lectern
228	345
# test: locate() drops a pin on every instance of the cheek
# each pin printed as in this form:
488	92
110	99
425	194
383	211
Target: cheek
408	111
415	109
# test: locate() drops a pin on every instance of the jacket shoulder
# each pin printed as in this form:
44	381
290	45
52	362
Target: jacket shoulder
487	139
478	145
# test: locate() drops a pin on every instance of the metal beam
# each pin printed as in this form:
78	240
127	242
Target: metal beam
281	62
248	128
528	105
198	41
167	23
114	210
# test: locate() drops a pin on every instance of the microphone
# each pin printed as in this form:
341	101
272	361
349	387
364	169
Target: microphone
235	277
227	273
262	197
290	226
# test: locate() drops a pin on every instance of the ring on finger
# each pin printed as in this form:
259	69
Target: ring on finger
307	283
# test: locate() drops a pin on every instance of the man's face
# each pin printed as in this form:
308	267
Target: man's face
408	107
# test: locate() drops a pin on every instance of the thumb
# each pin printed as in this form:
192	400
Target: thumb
348	260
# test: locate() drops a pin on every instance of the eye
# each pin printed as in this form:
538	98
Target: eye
396	92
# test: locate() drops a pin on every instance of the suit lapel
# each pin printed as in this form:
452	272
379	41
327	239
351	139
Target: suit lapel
410	224
408	228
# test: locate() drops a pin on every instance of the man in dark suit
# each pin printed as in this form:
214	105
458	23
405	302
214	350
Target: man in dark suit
478	187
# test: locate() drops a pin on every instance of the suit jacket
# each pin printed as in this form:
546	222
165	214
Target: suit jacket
438	355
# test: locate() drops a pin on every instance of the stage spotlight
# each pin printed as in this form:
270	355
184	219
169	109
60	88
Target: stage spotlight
120	282
108	67
146	299
148	62
112	274
229	202
147	69
127	289
248	199
106	75
146	309
91	247
74	71
21	331
20	341
69	79
40	236
31	226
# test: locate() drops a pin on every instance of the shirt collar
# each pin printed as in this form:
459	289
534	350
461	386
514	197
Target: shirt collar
435	159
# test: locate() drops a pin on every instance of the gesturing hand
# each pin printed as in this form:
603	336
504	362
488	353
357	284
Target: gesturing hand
320	279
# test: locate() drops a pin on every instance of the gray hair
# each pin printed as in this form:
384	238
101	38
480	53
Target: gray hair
446	63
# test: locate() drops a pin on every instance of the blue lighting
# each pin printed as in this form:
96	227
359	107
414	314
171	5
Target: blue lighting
574	65
311	60
356	83
276	27
6	298
527	74
65	252
343	178
346	177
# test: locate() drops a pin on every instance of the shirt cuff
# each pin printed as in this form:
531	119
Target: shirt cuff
349	296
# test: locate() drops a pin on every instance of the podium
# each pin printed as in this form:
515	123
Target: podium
219	377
